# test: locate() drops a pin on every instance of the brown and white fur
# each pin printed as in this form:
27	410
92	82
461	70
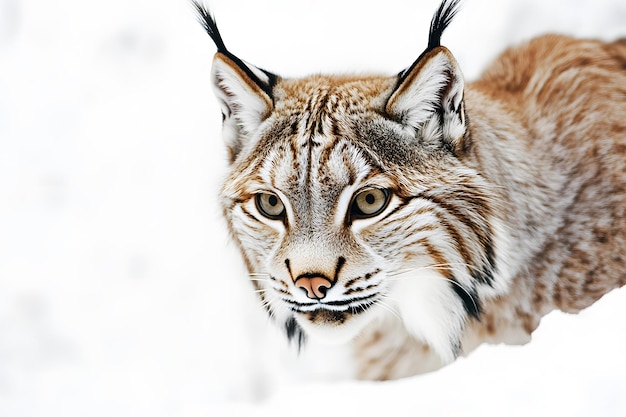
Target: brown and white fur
418	216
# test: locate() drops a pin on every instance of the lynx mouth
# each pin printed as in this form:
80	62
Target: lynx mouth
354	305
327	317
336	321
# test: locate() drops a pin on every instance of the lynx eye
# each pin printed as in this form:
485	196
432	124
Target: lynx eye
270	205
369	203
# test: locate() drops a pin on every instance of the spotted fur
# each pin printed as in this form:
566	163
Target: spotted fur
416	216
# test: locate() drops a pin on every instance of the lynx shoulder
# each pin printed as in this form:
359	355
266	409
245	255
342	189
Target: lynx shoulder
415	216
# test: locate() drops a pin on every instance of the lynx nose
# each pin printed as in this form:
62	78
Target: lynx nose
315	286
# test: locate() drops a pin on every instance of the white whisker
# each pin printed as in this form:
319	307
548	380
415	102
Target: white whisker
471	297
436	267
388	307
268	307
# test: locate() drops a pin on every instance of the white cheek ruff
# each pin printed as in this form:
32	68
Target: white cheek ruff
430	311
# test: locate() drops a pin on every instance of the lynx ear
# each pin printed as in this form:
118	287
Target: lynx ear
429	99
243	90
429	94
245	98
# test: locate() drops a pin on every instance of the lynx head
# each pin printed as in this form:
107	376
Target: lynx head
349	197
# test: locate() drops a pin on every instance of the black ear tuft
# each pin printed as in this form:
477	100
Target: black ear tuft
265	79
208	23
441	20
433	86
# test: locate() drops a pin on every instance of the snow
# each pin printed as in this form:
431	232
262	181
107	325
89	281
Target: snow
120	293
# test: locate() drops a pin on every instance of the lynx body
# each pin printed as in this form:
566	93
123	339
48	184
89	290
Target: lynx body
416	216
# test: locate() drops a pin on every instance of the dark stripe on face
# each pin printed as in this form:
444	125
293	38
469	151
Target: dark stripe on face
483	272
457	237
441	264
250	215
365	277
340	262
279	282
255	160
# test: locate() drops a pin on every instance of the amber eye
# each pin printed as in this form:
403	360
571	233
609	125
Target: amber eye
369	203
270	206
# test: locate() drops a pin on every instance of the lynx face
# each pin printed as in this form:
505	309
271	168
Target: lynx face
341	209
349	198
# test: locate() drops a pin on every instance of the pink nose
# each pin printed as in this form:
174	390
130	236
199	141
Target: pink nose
315	286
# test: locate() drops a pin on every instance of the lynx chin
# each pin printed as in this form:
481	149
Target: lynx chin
416	216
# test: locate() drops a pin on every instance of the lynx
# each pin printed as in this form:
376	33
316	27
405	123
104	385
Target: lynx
415	216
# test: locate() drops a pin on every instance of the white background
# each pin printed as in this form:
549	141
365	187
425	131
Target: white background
119	292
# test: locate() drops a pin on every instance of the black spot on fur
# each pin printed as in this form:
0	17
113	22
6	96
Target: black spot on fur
484	275
455	342
295	333
470	300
